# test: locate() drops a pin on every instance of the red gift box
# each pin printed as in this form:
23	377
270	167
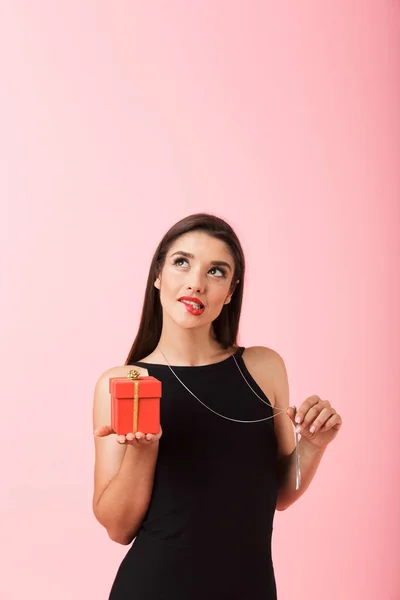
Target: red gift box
135	403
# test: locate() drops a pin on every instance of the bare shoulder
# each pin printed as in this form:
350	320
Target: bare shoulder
262	358
259	361
268	368
261	353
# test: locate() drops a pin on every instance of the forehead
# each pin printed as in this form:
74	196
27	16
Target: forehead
202	245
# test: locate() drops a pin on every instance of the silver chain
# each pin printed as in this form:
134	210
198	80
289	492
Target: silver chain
279	410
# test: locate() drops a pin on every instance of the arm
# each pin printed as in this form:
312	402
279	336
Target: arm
268	369
310	458
313	413
123	474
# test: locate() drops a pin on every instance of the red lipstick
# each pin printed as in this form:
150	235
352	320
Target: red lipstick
193	305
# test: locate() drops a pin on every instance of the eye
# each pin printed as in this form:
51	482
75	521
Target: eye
178	261
216	270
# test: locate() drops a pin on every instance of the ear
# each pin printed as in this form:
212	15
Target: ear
157	283
229	297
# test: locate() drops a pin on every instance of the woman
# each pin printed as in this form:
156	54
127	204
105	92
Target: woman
200	495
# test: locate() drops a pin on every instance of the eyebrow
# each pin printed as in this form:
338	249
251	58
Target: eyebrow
215	263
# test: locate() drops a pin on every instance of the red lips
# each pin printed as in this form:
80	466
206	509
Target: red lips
193	310
191	299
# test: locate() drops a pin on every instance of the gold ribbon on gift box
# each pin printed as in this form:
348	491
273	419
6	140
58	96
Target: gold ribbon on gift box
134	375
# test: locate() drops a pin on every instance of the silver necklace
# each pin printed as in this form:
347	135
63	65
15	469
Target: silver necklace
279	411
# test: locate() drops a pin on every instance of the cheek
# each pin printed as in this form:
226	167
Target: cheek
218	294
169	285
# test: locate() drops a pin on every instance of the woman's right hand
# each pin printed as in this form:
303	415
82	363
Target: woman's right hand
133	439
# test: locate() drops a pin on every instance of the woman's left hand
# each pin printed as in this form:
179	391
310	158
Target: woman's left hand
316	420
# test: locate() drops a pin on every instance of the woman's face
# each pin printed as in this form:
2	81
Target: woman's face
196	279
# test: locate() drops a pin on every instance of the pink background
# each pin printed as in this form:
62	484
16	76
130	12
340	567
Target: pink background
116	120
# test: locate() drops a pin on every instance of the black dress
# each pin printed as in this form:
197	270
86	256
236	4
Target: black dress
207	532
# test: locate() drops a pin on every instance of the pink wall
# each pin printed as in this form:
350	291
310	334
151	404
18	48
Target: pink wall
116	120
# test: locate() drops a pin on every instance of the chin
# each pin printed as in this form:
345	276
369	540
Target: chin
187	321
190	322
183	319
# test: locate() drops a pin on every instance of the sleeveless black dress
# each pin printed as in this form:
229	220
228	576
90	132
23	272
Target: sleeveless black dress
207	532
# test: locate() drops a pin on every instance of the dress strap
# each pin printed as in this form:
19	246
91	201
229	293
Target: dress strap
239	352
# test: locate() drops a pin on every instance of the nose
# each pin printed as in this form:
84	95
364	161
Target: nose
193	289
195	282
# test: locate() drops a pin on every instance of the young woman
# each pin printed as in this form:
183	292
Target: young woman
200	495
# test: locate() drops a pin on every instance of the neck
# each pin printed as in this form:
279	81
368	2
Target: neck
189	347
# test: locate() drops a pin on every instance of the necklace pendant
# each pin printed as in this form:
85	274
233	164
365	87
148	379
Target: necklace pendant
297	457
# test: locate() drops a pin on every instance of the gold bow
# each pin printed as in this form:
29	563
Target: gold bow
134	375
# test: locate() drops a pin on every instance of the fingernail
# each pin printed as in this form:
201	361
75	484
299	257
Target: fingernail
312	429
298	419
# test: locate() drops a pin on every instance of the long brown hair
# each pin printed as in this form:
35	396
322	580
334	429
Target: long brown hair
226	325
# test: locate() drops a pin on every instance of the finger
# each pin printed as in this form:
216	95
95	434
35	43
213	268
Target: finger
142	438
310	416
103	431
305	407
311	404
321	420
291	412
334	422
314	412
150	438
139	438
135	437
